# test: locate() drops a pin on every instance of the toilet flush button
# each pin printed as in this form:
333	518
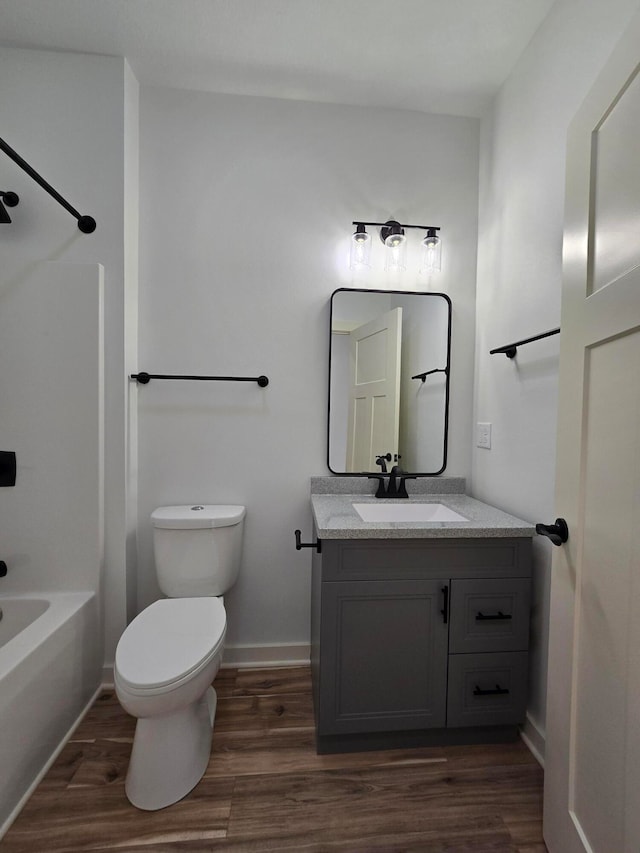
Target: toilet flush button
197	507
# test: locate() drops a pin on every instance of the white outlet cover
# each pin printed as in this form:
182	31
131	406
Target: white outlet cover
483	435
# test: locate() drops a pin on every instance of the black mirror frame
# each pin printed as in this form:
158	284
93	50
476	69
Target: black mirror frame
447	377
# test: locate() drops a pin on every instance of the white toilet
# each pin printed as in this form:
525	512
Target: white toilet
169	655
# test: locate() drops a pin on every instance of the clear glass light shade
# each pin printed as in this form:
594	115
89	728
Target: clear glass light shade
431	260
360	258
395	253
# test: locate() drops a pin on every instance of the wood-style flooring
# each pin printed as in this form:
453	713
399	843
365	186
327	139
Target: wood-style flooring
266	789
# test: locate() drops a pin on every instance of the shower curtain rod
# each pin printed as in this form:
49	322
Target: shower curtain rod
86	224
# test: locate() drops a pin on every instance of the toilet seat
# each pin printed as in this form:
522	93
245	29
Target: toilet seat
168	643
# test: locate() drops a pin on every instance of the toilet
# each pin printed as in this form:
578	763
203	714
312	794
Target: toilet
168	656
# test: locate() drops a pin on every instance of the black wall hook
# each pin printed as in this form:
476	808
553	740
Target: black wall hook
558	532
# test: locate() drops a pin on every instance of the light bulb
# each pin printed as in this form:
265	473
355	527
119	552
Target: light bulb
431	260
360	249
396	245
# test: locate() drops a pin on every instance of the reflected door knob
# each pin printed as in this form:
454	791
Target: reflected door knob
558	532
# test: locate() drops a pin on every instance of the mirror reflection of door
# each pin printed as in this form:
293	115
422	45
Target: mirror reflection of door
374	391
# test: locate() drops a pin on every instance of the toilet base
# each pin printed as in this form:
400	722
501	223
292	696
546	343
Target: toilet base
170	754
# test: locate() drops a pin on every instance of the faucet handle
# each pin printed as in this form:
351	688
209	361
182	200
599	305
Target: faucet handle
382	492
402	488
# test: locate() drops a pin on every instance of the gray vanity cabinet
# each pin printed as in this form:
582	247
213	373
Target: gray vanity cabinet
418	636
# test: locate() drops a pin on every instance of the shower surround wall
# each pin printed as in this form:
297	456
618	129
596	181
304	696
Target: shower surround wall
74	119
246	210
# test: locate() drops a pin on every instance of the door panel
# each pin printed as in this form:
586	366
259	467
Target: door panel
616	187
607	597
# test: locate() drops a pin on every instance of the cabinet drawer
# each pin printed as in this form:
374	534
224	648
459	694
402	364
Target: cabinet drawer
413	559
489	615
487	689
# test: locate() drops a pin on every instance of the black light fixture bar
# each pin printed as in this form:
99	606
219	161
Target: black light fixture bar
424	375
510	349
144	378
86	224
402	225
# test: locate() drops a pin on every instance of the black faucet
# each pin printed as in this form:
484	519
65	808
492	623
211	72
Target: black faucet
396	487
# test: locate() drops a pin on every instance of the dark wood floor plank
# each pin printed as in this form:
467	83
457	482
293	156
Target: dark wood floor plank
375	800
293	751
263	682
267	790
100	817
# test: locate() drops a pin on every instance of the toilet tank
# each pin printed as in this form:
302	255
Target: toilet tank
197	548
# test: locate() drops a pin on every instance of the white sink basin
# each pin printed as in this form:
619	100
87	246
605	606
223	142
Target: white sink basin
407	512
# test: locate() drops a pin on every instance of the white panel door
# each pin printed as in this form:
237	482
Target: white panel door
592	773
374	391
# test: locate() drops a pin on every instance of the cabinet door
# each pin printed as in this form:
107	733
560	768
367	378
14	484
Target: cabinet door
383	656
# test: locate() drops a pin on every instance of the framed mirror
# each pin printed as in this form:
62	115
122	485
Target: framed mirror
389	363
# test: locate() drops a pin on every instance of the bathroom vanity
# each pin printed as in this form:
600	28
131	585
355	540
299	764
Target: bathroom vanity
419	628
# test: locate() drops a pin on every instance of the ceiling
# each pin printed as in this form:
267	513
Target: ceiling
449	56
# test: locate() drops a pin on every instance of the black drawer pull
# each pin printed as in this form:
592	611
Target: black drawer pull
499	616
499	691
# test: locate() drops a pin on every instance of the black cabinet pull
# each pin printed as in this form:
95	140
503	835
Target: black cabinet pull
498	691
299	545
445	609
499	616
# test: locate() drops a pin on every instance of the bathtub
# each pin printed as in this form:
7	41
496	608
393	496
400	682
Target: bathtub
50	671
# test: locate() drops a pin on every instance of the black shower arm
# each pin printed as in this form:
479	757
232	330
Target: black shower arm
86	224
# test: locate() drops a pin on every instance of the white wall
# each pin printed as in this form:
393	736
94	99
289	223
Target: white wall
519	278
246	211
65	114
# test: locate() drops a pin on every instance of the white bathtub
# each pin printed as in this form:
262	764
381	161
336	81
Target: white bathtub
50	669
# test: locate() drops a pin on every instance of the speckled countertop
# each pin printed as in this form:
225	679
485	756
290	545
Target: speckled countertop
335	517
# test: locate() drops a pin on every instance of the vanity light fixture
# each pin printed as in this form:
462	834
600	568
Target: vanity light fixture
395	242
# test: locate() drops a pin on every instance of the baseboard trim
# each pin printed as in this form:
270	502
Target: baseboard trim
23	800
534	740
246	657
257	657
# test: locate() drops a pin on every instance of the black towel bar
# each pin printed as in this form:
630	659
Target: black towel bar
144	378
510	349
424	375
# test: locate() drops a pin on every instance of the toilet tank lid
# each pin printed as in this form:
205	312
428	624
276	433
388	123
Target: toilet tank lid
197	515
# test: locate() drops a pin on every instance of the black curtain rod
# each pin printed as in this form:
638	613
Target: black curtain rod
145	378
510	349
86	224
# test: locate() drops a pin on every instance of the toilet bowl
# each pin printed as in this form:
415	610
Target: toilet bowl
168	656
165	663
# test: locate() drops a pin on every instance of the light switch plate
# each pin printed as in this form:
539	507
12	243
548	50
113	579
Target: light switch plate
483	435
